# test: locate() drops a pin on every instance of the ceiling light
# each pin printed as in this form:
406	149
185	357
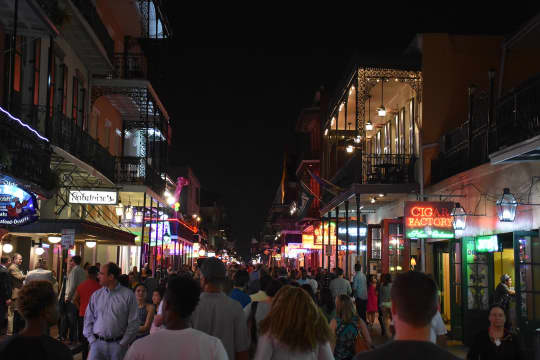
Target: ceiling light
381	195
381	111
91	244
119	209
350	149
7	248
139	217
369	126
373	200
39	251
54	239
357	139
129	213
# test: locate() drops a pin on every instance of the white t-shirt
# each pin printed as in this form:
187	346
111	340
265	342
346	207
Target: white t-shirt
186	344
437	328
269	348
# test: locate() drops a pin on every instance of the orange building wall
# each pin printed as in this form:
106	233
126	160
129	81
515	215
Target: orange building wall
107	136
519	66
451	63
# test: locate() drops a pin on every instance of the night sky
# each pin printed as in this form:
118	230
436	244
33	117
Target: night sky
234	108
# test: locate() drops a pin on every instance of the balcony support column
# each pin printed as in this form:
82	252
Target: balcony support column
347	240
337	238
323	243
143	253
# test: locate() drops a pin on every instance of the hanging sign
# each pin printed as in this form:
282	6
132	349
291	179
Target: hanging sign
93	197
68	238
428	220
17	206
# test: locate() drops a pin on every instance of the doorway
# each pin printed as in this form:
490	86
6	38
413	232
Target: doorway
441	257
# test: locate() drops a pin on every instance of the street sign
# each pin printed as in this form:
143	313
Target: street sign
68	238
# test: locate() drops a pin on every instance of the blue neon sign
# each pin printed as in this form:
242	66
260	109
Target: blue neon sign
17	206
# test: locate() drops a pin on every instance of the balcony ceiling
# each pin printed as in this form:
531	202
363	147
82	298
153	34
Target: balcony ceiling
32	21
124	12
80	35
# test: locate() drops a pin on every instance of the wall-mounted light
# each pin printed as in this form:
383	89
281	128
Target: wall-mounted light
459	217
506	206
54	239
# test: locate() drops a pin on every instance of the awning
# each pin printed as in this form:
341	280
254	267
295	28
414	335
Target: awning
528	150
84	230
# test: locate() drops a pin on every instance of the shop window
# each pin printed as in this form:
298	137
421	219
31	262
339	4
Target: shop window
376	236
396	246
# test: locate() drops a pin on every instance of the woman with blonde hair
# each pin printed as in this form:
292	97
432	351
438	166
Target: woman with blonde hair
347	326
295	328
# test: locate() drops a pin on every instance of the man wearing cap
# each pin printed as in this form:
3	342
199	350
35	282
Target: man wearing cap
503	295
219	315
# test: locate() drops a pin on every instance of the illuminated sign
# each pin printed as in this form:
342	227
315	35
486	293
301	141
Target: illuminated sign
93	197
17	206
428	220
352	230
487	244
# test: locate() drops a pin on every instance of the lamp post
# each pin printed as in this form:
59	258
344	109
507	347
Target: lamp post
506	206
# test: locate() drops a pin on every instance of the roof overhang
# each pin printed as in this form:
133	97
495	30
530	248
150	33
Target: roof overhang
528	150
84	230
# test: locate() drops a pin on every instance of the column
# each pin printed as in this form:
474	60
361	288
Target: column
347	239
337	237
323	245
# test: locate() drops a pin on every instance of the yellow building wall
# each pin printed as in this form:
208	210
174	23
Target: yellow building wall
503	263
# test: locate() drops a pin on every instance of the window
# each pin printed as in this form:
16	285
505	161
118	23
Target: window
376	234
387	137
52	83
75	99
396	247
529	277
401	127
65	89
17	76
37	62
477	276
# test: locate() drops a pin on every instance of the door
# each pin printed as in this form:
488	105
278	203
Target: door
527	285
456	290
478	286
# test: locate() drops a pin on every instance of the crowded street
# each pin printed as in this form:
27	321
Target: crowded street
165	195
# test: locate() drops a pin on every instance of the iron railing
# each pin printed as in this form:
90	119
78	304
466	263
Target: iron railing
376	169
90	14
135	170
130	66
516	118
23	155
69	136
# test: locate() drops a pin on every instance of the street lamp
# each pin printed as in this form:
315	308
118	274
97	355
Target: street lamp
459	217
506	206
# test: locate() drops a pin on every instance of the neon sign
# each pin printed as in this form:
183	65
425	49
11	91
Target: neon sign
487	244
428	219
17	206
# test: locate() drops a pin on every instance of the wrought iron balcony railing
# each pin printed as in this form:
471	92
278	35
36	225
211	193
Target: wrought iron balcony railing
130	66
516	119
377	169
90	14
23	155
134	170
69	136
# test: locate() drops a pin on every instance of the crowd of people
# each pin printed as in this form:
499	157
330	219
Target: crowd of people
235	312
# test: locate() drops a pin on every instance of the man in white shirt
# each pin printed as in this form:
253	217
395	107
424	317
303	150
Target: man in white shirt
178	340
42	273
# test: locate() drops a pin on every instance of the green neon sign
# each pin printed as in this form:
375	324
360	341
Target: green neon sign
434	234
487	243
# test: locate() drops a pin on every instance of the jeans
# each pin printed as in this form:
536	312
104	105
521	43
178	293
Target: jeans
69	321
361	306
102	350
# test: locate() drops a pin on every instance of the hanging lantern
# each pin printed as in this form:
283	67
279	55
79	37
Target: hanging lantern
139	217
506	206
119	209
129	213
459	217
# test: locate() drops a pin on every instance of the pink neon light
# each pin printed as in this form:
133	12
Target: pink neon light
23	124
180	183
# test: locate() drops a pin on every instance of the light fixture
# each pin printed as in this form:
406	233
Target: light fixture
39	251
506	206
350	149
459	217
194	216
91	244
129	213
373	200
325	132
139	217
369	125
202	252
54	239
357	139
381	195
333	121
413	262
341	107
7	248
382	111
119	209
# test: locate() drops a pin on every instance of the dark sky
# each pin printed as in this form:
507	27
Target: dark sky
234	106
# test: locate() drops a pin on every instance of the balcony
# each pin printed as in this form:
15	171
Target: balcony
516	120
130	66
67	135
89	37
24	155
376	169
134	171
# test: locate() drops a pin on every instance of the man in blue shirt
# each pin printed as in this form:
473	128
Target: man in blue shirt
241	278
360	291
